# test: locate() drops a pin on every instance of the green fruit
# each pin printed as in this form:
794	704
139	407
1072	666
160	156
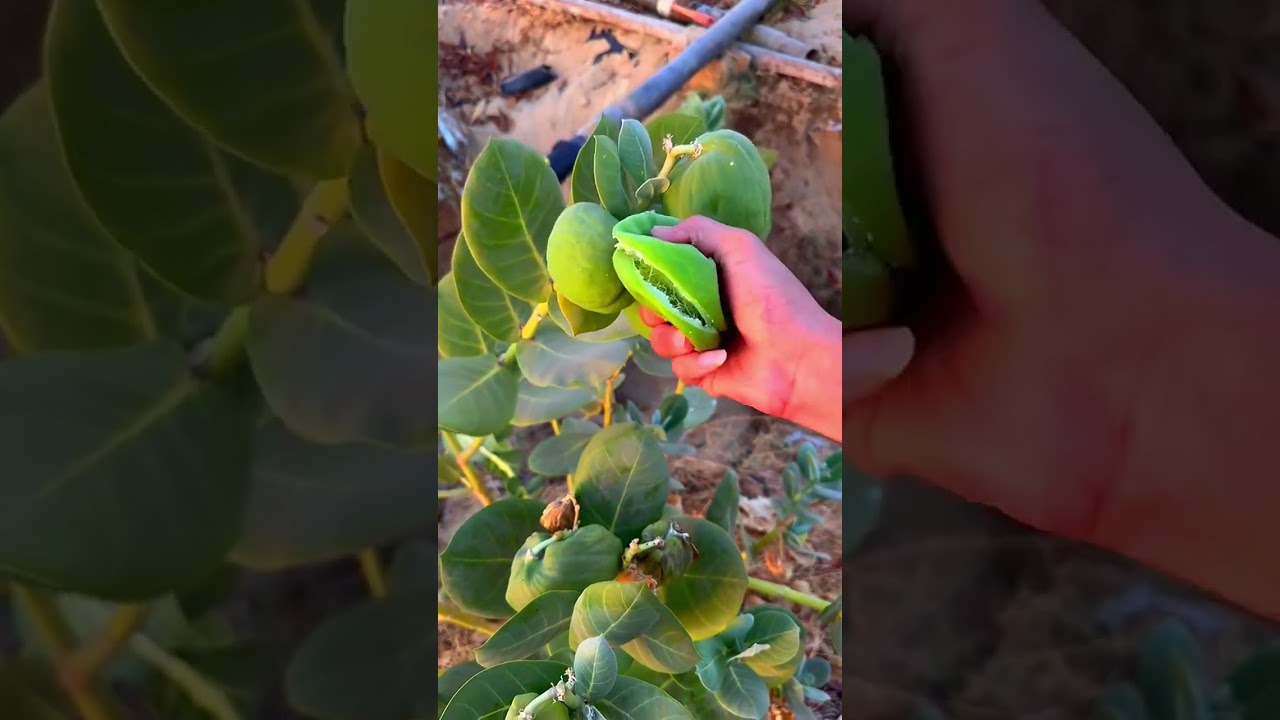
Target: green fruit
547	711
674	280
588	555
579	252
867	292
727	182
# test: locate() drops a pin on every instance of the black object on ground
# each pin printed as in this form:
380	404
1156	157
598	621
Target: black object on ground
614	46
563	155
528	81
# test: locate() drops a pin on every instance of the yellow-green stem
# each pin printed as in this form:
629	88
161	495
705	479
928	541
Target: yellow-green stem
679	387
93	657
321	209
608	397
449	614
555	426
469	476
772	535
674	154
774	590
56	635
228	343
527	332
371	568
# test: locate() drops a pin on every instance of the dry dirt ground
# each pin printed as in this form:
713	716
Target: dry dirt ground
946	602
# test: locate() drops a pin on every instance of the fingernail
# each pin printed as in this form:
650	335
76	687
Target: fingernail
898	345
711	360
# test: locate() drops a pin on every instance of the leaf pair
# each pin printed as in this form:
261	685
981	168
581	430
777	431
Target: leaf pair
614	163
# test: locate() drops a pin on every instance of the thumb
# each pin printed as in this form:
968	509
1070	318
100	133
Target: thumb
872	358
698	368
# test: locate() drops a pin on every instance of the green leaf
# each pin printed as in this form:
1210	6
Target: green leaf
414	199
632	699
509	203
701	407
629	616
458	335
558	455
394	74
475	396
534	626
536	405
1171	674
608	127
597	177
635	153
595	668
243	673
64	284
488	694
794	694
707	596
377	218
367	663
723	510
784	655
414	568
673	410
683	128
313	502
475	566
451	681
345	362
553	358
498	314
157	186
621	480
651	364
577	320
126	442
261	77
743	693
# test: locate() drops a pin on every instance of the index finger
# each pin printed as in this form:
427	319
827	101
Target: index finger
650	318
715	240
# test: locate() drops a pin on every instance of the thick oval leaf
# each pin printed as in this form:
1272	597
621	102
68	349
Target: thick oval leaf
452	680
367	663
651	364
536	405
347	362
552	358
157	186
377	218
64	284
476	395
414	199
536	625
498	314
743	693
127	442
558	455
509	204
595	668
723	509
597	177
488	694
780	655
701	407
476	565
261	77
707	596
629	616
458	335
683	127
635	153
393	70
313	502
621	483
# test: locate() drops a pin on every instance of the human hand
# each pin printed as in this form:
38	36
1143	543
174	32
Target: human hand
783	354
1078	238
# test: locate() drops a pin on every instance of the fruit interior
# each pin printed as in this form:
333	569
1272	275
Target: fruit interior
663	284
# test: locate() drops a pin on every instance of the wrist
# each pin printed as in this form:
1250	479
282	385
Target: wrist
1197	495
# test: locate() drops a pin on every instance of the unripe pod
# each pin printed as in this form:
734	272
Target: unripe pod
579	259
590	554
547	711
727	182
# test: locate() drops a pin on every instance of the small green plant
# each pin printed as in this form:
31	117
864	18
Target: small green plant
1170	681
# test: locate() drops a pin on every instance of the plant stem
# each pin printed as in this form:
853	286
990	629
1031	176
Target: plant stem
555	426
466	455
527	332
469	476
93	657
53	631
679	387
772	535
371	568
449	614
228	343
768	589
288	266
452	493
202	692
607	402
503	466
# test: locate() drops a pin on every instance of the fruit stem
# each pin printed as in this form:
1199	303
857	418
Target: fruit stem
674	153
768	589
679	387
636	547
463	458
371	569
537	550
52	629
446	613
550	695
527	332
321	209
